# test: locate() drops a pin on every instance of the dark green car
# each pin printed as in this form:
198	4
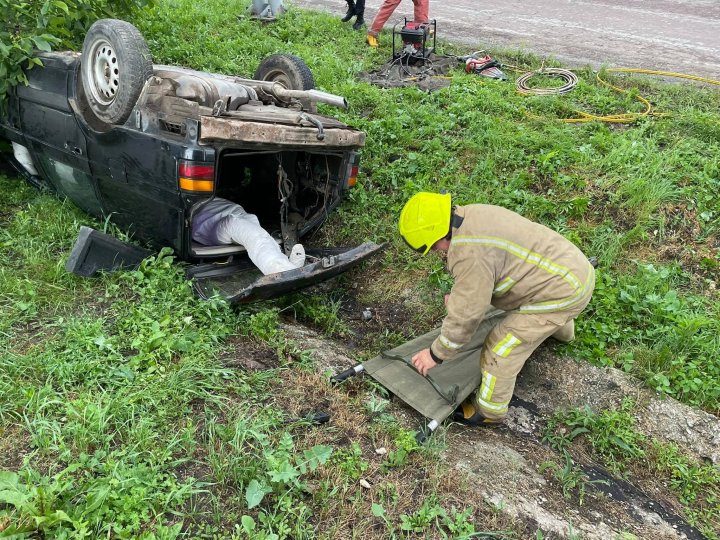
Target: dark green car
146	146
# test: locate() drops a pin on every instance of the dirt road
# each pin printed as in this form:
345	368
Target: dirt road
668	35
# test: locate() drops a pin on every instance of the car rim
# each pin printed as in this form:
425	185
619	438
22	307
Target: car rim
279	77
103	72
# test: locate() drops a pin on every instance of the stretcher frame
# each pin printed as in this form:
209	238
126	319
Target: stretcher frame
437	395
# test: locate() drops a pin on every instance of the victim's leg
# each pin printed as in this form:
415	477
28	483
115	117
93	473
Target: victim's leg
261	247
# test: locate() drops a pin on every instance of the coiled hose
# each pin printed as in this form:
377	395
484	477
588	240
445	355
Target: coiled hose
569	77
571	81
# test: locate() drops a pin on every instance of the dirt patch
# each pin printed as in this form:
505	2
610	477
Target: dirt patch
14	446
370	320
426	74
245	353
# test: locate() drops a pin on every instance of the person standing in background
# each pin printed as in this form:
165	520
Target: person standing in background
421	15
356	8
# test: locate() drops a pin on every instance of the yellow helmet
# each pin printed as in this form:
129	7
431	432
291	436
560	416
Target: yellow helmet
425	219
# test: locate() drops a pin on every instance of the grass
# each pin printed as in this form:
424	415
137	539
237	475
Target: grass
119	416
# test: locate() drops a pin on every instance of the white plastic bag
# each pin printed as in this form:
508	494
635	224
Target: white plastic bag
22	154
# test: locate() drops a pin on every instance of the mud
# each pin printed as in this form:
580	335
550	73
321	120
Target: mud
666	35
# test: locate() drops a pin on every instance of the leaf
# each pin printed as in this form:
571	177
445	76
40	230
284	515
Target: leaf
255	493
15	498
248	524
12	491
41	43
315	457
62	5
378	510
284	473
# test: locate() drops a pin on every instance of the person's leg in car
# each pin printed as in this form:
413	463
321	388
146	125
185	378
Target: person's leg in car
261	247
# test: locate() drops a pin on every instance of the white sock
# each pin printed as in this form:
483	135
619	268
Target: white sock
297	256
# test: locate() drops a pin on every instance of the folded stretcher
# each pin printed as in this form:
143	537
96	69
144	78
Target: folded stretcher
445	387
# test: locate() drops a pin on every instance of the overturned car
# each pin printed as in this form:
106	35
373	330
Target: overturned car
147	146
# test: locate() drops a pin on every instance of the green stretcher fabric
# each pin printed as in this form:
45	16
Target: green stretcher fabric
446	386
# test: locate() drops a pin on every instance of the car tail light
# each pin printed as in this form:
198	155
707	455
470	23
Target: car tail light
196	176
353	170
352	179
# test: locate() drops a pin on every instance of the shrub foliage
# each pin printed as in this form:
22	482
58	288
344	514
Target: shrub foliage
41	25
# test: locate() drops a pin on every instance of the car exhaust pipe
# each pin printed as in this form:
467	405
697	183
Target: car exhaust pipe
280	92
315	96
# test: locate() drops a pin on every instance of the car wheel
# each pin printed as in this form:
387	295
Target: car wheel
287	70
114	66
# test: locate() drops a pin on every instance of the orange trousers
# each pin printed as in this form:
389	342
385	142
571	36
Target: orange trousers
421	14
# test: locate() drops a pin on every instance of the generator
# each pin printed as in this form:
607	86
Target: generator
415	38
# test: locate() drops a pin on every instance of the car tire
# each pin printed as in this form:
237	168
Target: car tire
287	70
114	66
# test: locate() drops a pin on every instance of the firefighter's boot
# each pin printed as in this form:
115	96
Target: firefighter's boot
350	12
468	414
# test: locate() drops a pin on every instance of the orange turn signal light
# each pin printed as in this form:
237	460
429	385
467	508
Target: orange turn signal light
352	179
193	176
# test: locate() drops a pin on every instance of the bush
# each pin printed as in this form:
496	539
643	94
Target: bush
45	24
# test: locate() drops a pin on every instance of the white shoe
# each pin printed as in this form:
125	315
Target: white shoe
297	256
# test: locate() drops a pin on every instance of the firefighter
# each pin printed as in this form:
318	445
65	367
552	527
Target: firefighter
421	14
497	258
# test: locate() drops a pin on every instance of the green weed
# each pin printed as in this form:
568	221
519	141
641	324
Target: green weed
611	433
571	477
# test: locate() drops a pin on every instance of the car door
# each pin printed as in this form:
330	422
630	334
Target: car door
136	174
52	132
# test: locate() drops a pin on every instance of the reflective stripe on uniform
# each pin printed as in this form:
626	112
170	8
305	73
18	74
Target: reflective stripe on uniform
450	345
522	253
488	385
485	393
505	347
564	303
504	286
500	407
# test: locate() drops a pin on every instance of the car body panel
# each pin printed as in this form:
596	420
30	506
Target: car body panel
242	285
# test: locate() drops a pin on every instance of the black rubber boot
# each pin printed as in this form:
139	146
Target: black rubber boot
359	22
350	12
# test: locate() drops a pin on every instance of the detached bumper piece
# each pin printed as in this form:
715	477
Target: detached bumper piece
241	282
95	252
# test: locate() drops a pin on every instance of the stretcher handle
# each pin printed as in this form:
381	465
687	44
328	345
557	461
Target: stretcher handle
340	377
424	434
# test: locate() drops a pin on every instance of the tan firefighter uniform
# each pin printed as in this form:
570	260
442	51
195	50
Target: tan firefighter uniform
499	258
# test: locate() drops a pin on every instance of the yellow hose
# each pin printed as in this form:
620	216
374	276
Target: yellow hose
631	117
